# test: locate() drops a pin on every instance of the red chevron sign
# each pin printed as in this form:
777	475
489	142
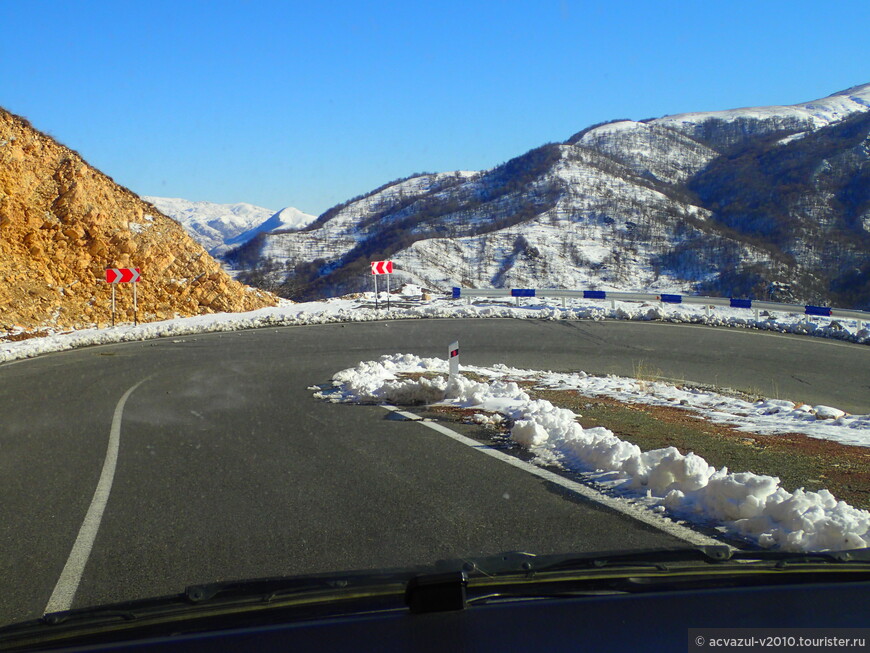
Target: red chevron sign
382	267
122	275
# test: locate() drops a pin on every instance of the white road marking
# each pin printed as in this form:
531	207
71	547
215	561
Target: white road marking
630	510
65	590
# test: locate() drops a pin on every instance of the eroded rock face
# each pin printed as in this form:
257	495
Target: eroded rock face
63	223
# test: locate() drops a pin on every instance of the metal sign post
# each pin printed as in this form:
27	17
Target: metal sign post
375	277
382	267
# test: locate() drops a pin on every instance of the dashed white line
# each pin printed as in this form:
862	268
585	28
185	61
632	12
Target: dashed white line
634	511
65	590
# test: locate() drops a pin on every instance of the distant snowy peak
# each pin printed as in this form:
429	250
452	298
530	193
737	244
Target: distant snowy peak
290	218
239	215
219	227
209	223
287	219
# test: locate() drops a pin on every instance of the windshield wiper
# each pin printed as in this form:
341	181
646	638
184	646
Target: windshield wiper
851	555
525	576
447	585
219	606
521	562
658	558
527	563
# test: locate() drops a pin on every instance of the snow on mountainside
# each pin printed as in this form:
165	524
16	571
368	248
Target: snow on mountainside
287	219
766	202
219	227
805	117
209	223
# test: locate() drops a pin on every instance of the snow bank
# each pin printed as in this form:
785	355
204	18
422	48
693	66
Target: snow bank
745	504
361	309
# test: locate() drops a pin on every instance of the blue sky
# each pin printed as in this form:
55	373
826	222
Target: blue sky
310	103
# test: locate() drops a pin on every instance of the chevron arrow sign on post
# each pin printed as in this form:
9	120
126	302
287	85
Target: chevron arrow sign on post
122	275
382	267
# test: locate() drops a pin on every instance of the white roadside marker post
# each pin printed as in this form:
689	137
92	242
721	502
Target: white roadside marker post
453	358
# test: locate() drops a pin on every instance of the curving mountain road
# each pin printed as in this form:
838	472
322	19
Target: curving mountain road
228	468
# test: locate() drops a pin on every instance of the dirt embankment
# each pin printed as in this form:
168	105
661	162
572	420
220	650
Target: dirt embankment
63	223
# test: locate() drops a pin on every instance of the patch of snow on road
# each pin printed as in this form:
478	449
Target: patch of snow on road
752	506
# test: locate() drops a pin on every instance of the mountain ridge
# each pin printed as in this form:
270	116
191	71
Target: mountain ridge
220	227
616	206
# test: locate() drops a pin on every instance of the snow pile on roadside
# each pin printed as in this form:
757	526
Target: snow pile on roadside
750	505
414	304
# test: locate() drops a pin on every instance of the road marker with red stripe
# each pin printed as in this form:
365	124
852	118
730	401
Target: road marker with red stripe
453	358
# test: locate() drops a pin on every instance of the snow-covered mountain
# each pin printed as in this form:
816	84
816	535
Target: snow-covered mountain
220	227
287	219
771	202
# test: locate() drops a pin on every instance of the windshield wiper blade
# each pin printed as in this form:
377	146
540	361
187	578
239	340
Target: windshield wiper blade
268	589
524	576
519	562
651	557
850	555
217	605
262	590
98	613
529	564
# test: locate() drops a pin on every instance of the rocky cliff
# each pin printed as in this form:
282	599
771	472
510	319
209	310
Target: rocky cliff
63	223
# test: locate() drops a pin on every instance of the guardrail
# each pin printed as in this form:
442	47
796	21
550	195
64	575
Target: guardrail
601	295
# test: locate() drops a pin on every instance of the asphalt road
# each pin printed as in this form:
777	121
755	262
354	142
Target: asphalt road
228	468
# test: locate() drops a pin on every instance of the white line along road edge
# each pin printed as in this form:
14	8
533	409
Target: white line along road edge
629	510
65	590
